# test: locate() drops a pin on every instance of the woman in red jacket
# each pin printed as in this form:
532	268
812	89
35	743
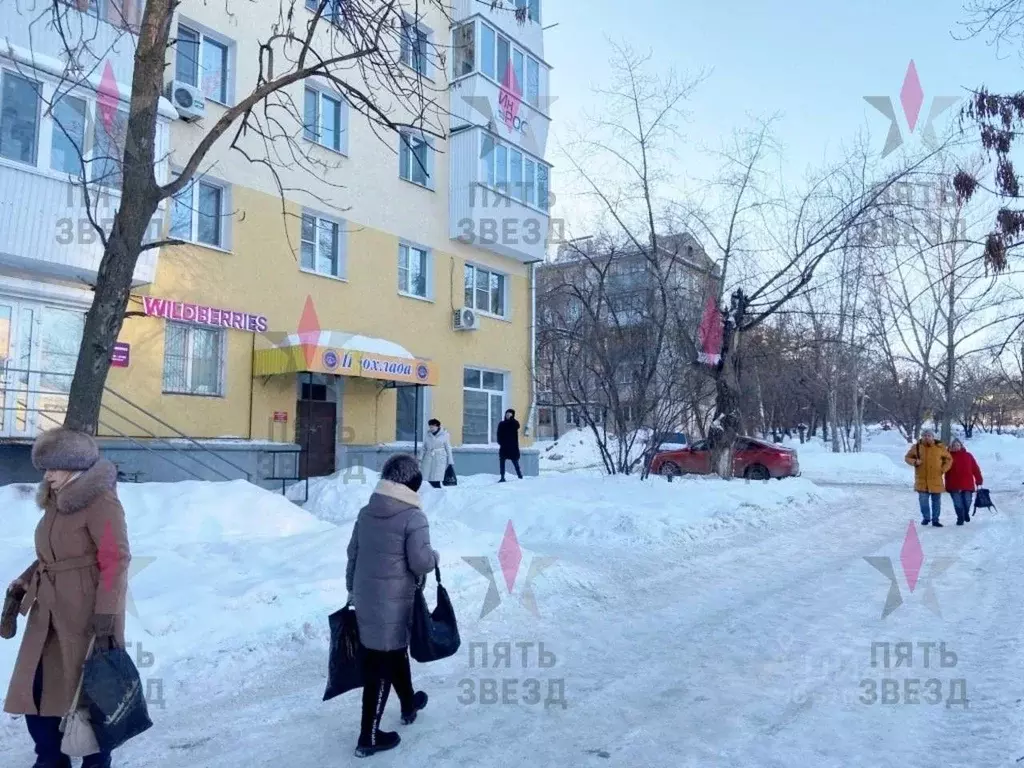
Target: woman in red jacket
963	477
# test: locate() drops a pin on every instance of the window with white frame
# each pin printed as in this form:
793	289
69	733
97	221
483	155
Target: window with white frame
509	65
193	360
415	39
203	63
322	245
532	9
67	143
413	270
120	13
416	159
108	141
198	213
515	174
19	118
326	120
485	290
464	50
483	405
334	10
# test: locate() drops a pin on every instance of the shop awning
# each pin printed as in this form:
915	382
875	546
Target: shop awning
343	354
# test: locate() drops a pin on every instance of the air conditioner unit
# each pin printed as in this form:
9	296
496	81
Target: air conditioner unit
187	99
465	319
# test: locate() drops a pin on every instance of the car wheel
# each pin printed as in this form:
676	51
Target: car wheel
669	469
757	472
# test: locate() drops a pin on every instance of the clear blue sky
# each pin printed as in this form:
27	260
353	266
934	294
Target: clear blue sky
809	61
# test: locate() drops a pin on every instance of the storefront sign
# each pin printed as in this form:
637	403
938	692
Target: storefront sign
342	362
338	362
281	417
121	356
198	314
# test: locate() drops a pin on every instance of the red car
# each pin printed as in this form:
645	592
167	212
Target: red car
753	459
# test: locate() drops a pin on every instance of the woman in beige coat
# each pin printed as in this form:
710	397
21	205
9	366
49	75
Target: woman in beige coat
73	591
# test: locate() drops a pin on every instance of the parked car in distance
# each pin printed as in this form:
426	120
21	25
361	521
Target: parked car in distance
668	440
753	459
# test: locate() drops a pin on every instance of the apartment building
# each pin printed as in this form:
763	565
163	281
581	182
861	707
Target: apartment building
622	282
340	315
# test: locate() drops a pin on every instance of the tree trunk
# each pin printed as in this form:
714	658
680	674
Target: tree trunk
728	414
140	198
948	389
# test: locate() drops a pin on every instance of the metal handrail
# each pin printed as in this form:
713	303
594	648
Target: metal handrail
152	435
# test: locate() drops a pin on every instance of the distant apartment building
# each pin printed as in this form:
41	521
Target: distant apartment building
628	283
340	326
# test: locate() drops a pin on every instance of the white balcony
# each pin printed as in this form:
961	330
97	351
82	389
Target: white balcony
497	211
478	100
501	15
46	226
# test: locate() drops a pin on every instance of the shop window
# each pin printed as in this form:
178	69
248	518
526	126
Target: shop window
193	360
483	405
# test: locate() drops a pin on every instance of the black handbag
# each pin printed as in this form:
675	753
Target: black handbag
434	634
117	703
983	500
345	668
449	476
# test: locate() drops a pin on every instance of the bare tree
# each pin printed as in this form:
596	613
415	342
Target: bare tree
354	49
779	241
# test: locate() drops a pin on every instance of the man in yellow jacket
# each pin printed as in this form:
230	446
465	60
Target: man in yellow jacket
930	460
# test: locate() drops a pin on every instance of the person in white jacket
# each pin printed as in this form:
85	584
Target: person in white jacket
436	456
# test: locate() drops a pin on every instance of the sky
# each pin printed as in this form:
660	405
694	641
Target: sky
810	63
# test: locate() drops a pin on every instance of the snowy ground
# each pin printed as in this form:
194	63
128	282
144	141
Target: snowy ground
700	623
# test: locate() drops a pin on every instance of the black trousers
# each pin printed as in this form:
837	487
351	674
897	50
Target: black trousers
515	464
384	669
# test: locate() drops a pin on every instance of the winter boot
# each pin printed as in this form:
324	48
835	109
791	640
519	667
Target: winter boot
967	516
419	701
926	521
381	741
937	524
97	761
63	762
960	521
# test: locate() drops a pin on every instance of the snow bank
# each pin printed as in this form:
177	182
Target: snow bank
228	579
578	449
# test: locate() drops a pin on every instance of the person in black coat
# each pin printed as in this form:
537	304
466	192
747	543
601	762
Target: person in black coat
508	443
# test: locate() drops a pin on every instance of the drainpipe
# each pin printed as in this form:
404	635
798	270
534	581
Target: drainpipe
531	414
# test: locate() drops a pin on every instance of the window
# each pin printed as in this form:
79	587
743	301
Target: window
544	416
414	46
325	120
487	51
19	118
483	405
409	413
321	246
412	270
532	8
510	66
334	10
203	63
193	360
109	134
464	57
415	159
512	173
197	214
485	290
68	141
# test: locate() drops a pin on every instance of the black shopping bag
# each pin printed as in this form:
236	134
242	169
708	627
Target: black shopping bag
449	476
345	664
117	703
983	500
434	635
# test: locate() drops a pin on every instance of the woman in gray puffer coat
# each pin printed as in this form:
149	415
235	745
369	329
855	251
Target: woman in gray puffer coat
389	555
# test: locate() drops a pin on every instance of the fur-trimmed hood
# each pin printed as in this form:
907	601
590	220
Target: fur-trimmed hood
81	491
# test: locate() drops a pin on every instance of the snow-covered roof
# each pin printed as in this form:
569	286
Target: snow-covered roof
351	342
